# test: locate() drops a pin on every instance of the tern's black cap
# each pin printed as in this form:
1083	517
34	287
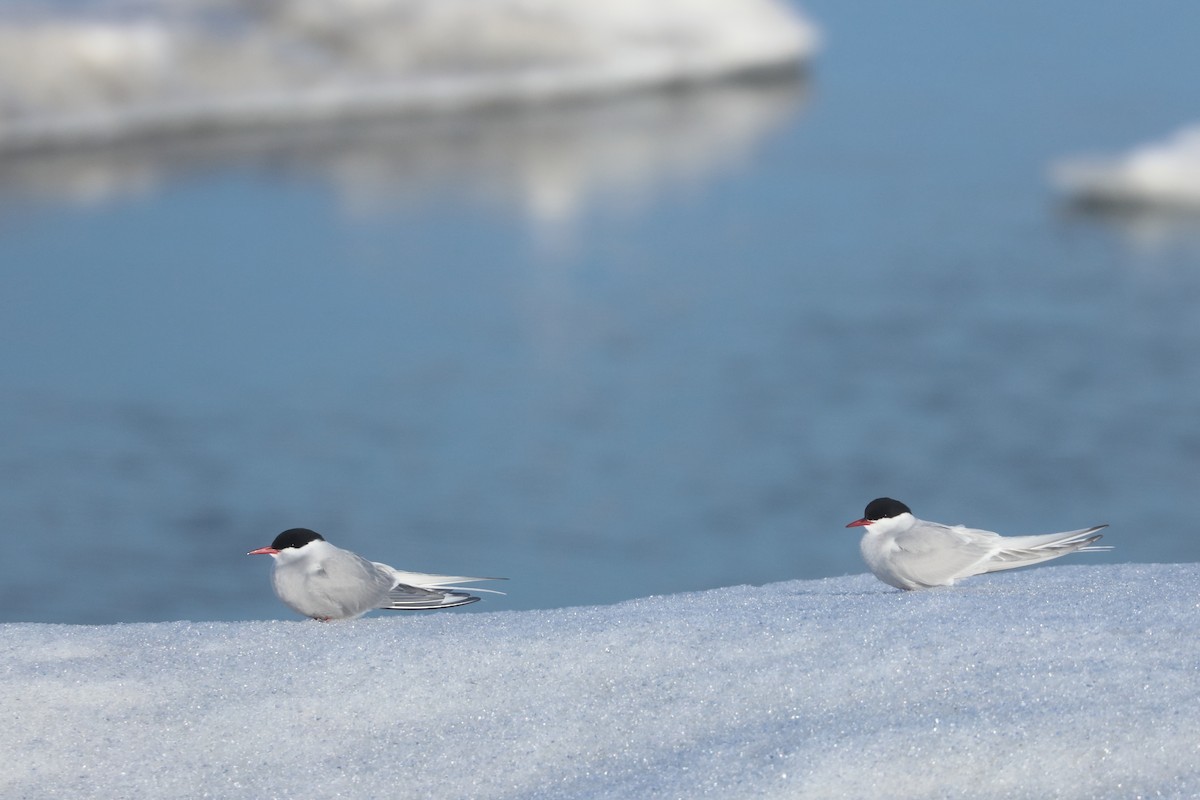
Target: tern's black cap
295	537
885	508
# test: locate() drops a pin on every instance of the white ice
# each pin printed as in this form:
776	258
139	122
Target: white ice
1065	681
97	70
1163	173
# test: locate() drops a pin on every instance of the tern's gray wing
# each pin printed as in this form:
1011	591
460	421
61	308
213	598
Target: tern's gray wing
932	554
403	597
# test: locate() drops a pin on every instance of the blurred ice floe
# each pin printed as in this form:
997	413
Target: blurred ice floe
102	70
1161	175
1151	194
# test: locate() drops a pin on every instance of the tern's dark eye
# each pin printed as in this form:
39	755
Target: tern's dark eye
885	508
295	537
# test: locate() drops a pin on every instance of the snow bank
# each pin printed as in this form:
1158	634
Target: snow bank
1160	174
1063	681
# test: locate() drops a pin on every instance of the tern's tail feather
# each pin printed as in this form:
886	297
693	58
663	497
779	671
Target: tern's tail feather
428	581
1021	551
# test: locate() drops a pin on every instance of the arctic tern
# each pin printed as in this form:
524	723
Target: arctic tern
911	553
324	582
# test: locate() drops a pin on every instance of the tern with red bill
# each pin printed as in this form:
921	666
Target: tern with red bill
324	582
910	553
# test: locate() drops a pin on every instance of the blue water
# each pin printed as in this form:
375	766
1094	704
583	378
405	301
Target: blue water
659	343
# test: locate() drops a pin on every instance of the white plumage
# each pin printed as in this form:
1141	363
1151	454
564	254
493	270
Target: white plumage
319	580
911	553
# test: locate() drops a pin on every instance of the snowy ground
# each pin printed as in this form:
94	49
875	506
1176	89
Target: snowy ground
1067	681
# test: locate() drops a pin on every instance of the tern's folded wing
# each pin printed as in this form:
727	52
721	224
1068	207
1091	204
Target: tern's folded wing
930	554
403	597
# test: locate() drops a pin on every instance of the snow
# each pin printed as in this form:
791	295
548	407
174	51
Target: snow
1066	681
1161	174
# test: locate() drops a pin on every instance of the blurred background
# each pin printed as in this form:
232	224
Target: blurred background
610	300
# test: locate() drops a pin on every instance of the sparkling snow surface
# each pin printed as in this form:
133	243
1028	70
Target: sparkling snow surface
1068	681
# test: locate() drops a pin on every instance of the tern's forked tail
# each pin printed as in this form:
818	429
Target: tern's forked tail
1021	551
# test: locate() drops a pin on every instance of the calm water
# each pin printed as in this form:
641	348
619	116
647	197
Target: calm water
660	343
